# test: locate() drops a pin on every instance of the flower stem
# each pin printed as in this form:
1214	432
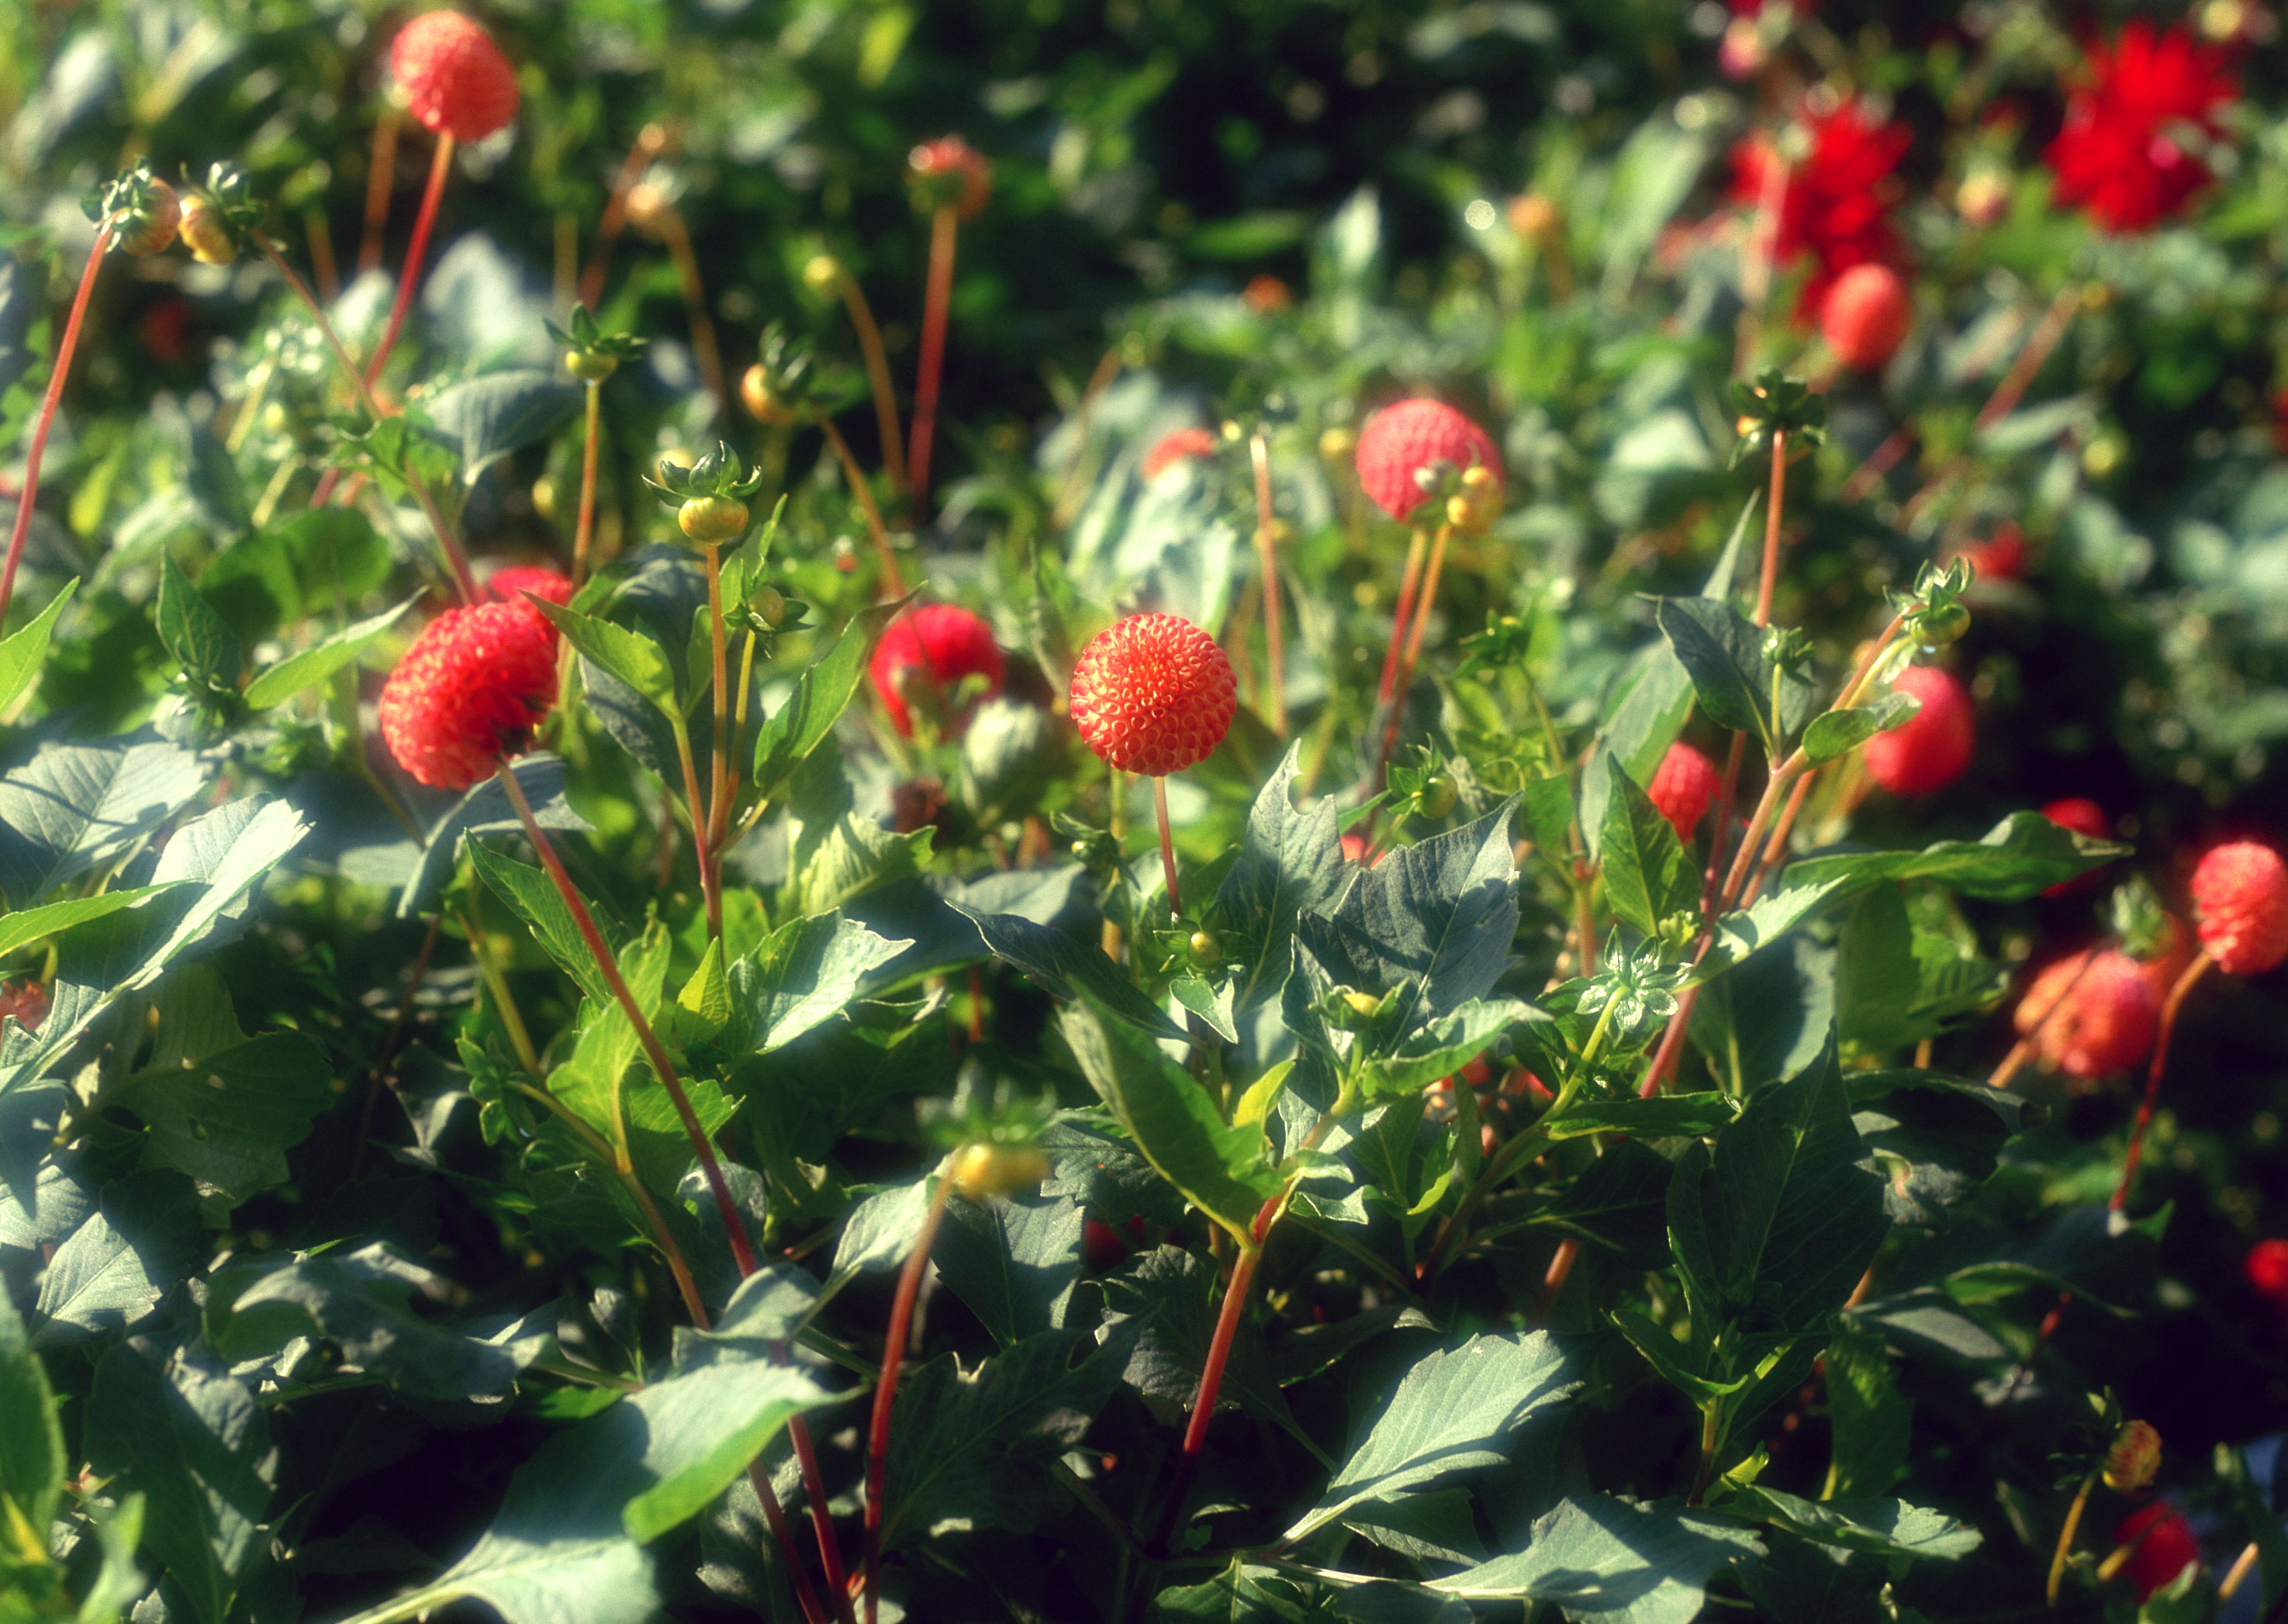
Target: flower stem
1402	680
719	789
1769	578
710	1167
2200	966
1210	1388
709	880
704	347
1274	657
649	142
2066	1539
381	174
885	1387
47	418
584	532
1167	847
878	380
944	226
441	165
457	560
893	583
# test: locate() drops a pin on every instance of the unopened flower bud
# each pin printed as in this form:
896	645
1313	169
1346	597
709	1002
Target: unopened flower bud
822	274
2134	1458
203	233
983	1170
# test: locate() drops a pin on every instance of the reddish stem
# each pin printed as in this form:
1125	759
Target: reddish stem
409	277
649	142
1167	846
878	380
782	1534
886	1389
380	176
47	418
728	1209
2199	967
584	532
1771	577
944	225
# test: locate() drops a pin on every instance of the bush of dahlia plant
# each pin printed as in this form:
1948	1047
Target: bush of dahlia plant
1386	812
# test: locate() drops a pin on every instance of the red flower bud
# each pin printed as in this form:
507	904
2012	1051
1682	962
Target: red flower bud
1682	787
1931	748
938	644
2165	1546
1866	317
455	79
2090	1016
2083	817
471	688
1174	447
2240	907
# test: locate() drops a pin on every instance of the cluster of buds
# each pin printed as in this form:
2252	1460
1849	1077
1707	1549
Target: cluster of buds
710	496
1638	992
591	354
216	222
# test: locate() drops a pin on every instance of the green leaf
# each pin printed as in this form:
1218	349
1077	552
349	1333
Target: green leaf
790	733
117	1582
1211	1002
1014	1263
121	1260
320	561
1873	1420
26	649
314	664
1676	1361
1220	1170
1289	863
1652	712
200	640
1776	1224
1838	733
698	1430
1069	968
488	417
361	1302
533	897
1239	1595
226	1118
1722	652
191	1441
1877	1527
1648	877
1934	1139
1663	1116
1744	930
21	929
1453	1411
73	807
32	1465
879	1233
1548	805
1604	1560
2020	857
629	655
485	810
1442	1048
974	1445
804	975
1163	1307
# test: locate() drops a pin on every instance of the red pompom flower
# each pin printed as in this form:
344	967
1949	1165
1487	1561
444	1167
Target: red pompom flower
939	644
1866	316
1400	442
2120	153
1929	750
1682	785
471	688
509	586
2091	1015
2267	1267
2240	907
2165	1546
1835	206
1153	694
1174	447
455	79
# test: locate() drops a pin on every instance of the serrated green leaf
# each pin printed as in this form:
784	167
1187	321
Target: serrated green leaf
790	733
2020	857
1881	1528
1648	877
314	664
1604	1560
1069	968
486	419
21	929
805	974
1838	733
529	892
629	655
1722	652
200	641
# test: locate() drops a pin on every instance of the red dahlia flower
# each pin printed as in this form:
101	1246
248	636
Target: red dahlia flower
2121	152
940	644
2240	903
2267	1265
1153	694
1682	785
509	586
1400	442
2165	1546
1836	205
1174	447
455	79
2091	1015
1929	750
472	688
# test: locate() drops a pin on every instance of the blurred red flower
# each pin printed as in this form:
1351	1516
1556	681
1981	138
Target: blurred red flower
1836	207
2122	152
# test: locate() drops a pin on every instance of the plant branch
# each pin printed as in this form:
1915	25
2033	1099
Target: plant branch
885	1387
945	225
57	372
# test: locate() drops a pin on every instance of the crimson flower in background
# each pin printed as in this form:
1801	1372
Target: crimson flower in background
1836	209
2121	153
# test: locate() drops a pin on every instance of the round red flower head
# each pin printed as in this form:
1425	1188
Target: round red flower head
2001	557
509	586
1177	446
2240	907
1866	317
1835	205
2267	1267
1153	694
2165	1546
948	171
2083	817
1682	785
940	644
1929	750
2118	154
471	688
1400	442
455	79
2091	1015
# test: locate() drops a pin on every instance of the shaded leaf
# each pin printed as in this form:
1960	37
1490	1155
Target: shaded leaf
320	659
1881	1528
1070	968
485	418
789	734
126	1256
1599	1557
485	810
1648	877
1012	1263
1289	863
2018	858
25	650
73	807
802	976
